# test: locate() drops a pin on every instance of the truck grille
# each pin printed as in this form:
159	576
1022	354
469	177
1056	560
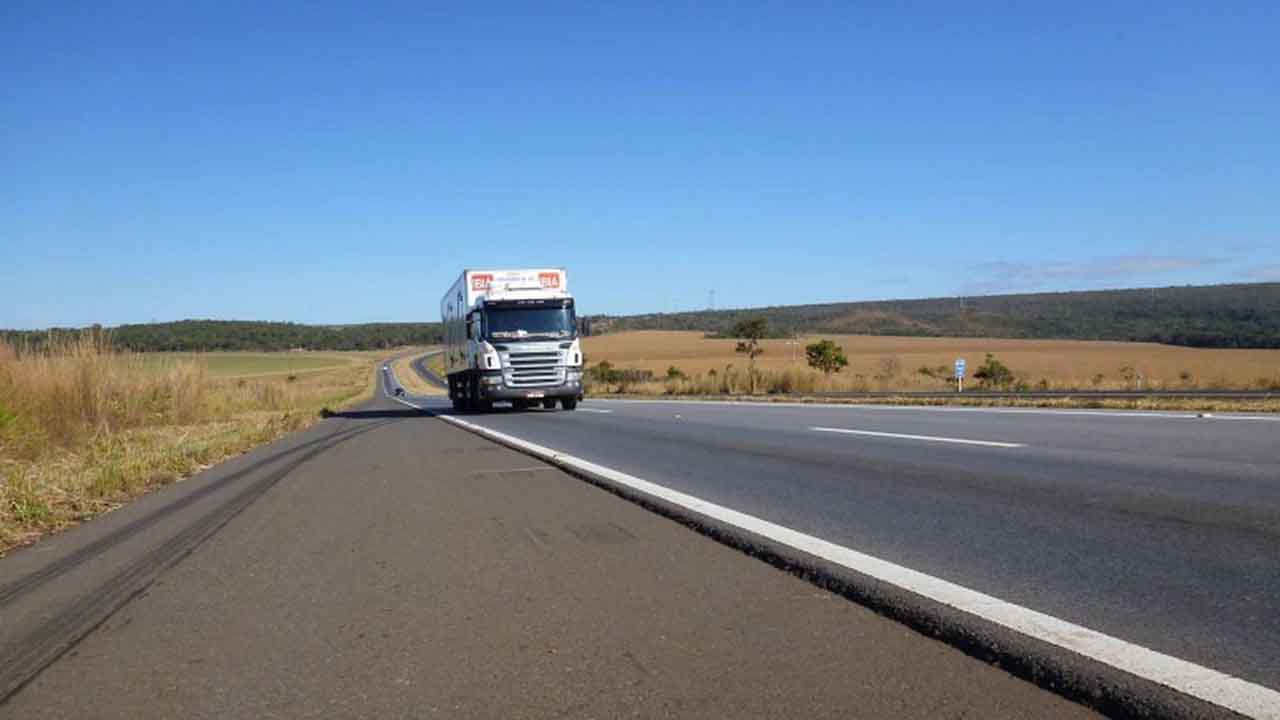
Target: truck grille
534	368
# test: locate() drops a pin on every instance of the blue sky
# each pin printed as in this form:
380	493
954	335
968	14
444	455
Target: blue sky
322	163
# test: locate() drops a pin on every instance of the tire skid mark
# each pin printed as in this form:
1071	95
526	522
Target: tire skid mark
16	589
48	642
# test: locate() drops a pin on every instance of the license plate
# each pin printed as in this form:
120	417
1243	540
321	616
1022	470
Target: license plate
534	394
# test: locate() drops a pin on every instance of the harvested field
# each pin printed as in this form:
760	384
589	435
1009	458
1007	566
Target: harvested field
893	363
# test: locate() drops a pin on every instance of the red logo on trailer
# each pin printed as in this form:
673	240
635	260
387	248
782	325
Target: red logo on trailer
549	280
480	281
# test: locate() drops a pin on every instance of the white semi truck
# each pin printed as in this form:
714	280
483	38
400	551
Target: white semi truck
512	335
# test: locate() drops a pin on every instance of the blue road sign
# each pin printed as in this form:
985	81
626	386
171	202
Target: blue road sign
960	368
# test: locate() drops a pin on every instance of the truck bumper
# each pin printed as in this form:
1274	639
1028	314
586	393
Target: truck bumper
502	392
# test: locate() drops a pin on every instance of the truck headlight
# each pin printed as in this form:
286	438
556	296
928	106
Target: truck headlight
573	374
493	380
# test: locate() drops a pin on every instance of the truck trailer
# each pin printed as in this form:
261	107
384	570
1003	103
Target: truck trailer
512	335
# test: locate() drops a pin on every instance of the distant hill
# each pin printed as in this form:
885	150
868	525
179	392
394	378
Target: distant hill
1222	316
209	335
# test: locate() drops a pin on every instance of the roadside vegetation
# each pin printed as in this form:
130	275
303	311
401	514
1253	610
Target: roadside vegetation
84	427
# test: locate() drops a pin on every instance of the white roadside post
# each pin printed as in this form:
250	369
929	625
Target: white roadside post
960	375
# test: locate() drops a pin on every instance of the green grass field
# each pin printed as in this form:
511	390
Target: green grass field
244	364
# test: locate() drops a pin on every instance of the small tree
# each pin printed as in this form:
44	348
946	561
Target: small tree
604	372
993	373
751	331
826	356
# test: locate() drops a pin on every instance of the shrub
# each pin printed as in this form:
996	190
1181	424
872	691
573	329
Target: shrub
941	373
1130	375
604	373
994	374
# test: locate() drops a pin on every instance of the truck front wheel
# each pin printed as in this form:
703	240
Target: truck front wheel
478	401
457	392
473	394
569	403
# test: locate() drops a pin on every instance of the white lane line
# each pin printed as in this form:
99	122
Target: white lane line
594	410
403	402
1200	682
927	438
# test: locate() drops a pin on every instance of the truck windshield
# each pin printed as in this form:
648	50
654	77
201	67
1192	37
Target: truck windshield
509	323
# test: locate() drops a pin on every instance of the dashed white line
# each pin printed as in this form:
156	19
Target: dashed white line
926	438
594	410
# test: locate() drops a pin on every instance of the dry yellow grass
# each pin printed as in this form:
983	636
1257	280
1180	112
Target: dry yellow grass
410	379
83	429
891	363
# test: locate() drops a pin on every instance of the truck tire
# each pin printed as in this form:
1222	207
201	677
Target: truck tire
477	403
569	403
457	392
549	403
473	393
519	405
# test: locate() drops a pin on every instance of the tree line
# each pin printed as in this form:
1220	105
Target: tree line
1217	316
211	335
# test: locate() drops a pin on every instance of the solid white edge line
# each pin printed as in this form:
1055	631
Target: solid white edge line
1197	681
404	402
927	438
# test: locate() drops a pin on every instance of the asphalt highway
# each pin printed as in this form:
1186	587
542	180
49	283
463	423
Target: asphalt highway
385	564
1161	529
